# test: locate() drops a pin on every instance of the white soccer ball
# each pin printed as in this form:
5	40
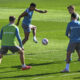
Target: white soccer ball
45	41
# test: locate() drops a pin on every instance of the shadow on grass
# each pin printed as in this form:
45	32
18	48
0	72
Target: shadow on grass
48	63
40	64
35	75
9	71
77	78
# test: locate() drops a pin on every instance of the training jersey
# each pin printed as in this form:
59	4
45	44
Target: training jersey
27	19
8	34
73	31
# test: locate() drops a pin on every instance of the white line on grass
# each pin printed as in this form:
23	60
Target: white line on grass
55	76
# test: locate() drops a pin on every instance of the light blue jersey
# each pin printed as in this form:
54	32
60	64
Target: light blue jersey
27	19
73	31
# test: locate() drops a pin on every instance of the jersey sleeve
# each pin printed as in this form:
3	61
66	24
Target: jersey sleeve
18	37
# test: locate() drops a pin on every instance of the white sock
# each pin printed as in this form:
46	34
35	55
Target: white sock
67	66
24	65
34	37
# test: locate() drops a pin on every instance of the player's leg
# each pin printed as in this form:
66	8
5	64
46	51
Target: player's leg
1	57
68	60
22	59
3	51
26	38
24	66
33	28
27	30
70	49
78	50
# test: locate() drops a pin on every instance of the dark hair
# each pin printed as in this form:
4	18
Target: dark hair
33	4
12	18
74	15
71	6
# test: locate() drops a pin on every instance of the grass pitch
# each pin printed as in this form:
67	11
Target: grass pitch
46	61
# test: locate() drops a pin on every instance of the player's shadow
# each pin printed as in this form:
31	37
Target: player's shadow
18	67
48	63
40	64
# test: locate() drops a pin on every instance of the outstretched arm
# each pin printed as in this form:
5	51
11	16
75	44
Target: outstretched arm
18	37
41	11
22	15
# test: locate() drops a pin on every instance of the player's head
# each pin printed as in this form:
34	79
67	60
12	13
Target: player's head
74	16
12	19
32	6
71	9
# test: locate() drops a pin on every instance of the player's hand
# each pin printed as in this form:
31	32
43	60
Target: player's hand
45	11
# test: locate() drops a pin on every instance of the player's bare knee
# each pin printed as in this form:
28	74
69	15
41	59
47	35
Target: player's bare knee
34	28
21	51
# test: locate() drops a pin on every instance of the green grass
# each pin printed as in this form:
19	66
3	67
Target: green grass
46	61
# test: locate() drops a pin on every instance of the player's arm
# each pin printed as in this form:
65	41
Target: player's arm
41	11
22	15
68	30
18	37
1	34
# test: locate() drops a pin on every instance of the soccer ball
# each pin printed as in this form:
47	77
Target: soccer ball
45	41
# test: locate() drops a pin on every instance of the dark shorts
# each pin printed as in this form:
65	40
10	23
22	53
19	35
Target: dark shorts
13	49
73	46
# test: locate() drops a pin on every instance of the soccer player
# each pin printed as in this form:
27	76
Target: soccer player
26	23
73	32
71	10
7	36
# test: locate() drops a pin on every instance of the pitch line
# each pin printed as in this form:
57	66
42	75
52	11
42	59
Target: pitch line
55	76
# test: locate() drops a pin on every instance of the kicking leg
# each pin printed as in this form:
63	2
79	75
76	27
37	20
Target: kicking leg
33	28
26	37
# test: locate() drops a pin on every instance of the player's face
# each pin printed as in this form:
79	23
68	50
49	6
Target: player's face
71	10
32	8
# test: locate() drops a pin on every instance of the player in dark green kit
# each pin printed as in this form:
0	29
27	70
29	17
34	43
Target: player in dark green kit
7	36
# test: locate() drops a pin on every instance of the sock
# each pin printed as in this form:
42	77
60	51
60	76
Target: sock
34	37
24	65
67	66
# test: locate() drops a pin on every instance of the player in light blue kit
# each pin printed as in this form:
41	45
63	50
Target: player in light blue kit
26	23
73	32
71	9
